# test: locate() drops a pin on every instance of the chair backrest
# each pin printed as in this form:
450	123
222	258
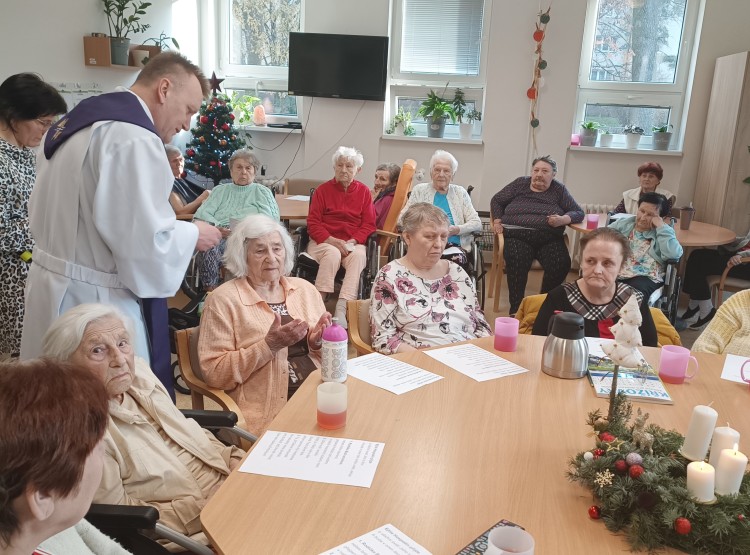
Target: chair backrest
299	186
403	187
358	318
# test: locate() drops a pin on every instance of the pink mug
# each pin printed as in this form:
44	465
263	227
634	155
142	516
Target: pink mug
674	363
742	372
592	221
506	334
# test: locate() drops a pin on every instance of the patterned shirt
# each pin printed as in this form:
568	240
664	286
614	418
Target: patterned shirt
640	262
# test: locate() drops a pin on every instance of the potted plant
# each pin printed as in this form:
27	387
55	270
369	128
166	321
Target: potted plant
662	136
436	110
474	116
459	108
161	42
401	123
121	24
632	135
605	139
243	106
589	133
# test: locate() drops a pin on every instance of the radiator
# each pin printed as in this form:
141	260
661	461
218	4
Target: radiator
597	208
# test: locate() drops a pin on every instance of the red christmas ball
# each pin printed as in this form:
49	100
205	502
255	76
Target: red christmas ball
595	512
531	93
212	163
682	526
538	35
606	437
621	467
635	471
231	116
225	127
598	453
203	119
190	152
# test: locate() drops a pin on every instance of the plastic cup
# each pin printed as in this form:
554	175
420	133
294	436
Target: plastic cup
686	217
509	539
592	221
332	401
506	334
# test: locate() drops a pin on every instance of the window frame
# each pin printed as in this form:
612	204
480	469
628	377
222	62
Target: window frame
672	95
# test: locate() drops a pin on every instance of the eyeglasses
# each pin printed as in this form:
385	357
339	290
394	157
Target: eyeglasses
46	124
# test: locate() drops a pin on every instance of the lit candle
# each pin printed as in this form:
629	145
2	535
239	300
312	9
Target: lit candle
699	432
700	481
729	473
724	438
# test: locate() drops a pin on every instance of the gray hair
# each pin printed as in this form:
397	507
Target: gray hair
253	227
172	152
394	171
348	153
421	213
65	334
245	154
547	159
444	155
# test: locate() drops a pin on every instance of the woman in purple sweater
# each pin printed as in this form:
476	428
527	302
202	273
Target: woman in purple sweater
532	213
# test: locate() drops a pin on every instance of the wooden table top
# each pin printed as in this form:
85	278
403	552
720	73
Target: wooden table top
700	234
459	456
292	209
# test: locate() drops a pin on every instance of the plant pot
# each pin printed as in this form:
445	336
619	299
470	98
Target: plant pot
588	136
632	140
119	48
436	127
138	56
398	130
606	140
660	141
465	129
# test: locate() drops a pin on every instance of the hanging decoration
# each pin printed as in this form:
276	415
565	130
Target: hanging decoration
532	93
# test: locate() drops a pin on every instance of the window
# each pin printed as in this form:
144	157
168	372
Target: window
435	42
635	62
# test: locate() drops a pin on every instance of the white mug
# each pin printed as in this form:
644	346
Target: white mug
509	539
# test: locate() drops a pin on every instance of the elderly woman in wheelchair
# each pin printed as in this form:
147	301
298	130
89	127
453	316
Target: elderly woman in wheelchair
652	244
153	455
51	453
422	299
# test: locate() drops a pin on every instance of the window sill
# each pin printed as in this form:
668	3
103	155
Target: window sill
624	150
264	129
453	140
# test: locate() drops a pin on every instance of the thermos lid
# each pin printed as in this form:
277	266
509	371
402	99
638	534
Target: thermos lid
568	325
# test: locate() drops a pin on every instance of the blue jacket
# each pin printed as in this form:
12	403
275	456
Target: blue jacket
664	247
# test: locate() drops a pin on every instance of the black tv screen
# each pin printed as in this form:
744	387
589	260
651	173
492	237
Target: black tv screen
338	66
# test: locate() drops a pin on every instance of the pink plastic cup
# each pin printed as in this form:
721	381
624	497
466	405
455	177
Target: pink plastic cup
506	334
592	221
742	372
674	363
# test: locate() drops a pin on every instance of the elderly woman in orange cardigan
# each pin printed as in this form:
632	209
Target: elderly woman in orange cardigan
261	332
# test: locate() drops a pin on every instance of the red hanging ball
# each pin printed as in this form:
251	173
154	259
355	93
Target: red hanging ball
190	152
212	163
231	116
635	471
621	467
531	93
606	437
598	453
203	120
225	127
682	526
595	513
538	35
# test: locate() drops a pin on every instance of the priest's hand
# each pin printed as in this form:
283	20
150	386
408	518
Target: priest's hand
208	236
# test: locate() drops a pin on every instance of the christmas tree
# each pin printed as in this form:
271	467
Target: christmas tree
214	138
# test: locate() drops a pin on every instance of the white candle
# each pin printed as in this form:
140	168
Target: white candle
699	432
700	481
724	438
729	473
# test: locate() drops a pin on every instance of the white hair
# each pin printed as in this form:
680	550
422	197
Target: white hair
348	153
245	154
444	155
172	151
253	227
65	334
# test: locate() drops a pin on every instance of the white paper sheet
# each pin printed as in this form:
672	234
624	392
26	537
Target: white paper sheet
386	540
731	370
475	362
389	374
299	197
330	460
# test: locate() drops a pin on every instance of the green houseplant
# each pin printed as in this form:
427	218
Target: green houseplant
662	136
243	106
436	110
123	18
162	43
459	108
401	123
589	133
632	135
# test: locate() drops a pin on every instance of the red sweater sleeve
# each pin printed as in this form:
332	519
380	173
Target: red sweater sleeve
315	227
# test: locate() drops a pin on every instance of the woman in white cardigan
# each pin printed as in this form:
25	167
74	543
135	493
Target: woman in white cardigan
454	200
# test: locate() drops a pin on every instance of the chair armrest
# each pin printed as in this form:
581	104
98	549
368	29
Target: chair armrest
182	540
390	234
212	418
122	516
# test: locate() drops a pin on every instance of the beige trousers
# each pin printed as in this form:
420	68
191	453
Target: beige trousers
330	260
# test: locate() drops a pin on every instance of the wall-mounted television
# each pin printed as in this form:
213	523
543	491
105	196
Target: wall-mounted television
338	66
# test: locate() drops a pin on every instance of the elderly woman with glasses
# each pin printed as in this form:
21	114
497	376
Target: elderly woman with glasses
261	332
422	299
452	199
28	107
233	201
532	212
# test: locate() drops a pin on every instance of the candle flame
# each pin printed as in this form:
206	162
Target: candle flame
736	446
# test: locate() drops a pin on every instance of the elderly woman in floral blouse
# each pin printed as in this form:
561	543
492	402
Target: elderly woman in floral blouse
422	300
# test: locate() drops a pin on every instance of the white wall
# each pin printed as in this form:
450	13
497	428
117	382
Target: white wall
592	176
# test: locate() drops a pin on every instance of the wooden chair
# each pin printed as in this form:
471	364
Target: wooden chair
358	318
186	342
724	282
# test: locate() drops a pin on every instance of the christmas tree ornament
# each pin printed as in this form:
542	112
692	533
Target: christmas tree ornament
588	456
635	471
534	123
606	437
542	64
215	83
598	453
634	458
682	526
621	467
604	478
225	127
544	18
538	35
203	119
231	116
531	93
595	512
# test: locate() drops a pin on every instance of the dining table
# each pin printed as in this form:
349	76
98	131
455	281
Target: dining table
459	455
292	209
